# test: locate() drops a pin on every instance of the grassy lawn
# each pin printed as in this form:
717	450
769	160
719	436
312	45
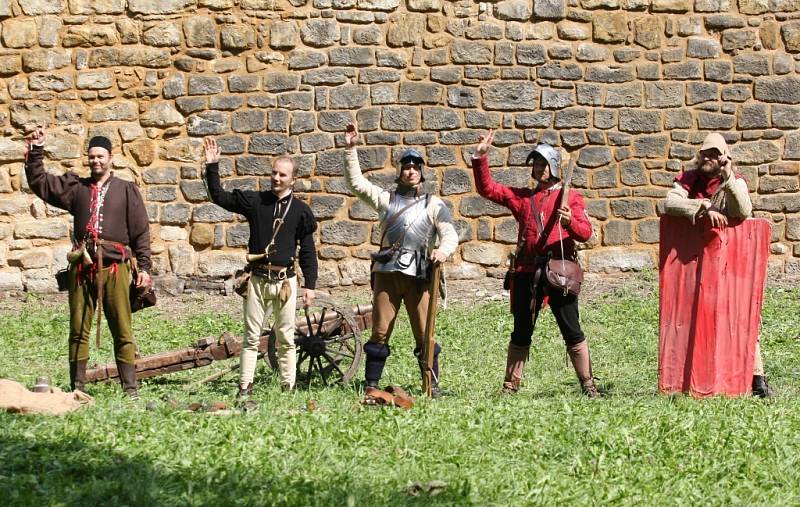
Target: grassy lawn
547	445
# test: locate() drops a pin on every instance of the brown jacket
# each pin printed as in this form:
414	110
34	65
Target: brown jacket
124	215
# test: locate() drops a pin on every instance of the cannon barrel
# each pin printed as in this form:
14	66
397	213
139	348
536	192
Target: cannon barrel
207	350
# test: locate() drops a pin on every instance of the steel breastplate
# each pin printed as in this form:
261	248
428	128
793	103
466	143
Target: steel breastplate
409	234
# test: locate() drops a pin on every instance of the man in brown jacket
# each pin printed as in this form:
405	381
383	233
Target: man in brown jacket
110	226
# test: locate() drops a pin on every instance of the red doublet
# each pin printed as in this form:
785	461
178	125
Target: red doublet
518	201
699	185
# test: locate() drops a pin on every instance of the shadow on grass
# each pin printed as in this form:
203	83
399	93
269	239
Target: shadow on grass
42	472
37	472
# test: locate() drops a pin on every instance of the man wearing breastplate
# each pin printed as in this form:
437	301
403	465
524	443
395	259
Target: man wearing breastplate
411	224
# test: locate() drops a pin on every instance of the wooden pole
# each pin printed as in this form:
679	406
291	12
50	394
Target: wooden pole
430	328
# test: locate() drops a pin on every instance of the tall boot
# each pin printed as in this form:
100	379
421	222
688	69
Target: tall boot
376	359
516	358
582	362
760	387
436	392
127	377
77	375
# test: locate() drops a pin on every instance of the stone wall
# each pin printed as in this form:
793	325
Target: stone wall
631	85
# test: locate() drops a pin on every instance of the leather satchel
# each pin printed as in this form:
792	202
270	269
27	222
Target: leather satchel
564	275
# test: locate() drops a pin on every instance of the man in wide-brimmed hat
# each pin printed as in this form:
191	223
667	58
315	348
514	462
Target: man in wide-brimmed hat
711	189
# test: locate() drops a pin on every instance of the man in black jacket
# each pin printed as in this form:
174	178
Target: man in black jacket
279	223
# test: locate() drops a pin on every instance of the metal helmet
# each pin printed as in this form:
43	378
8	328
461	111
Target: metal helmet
550	154
411	155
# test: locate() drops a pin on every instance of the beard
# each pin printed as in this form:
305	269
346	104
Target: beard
709	167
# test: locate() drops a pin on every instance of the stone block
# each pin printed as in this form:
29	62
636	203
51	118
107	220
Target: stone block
697	47
439	118
283	35
211	213
651	146
51	228
755	152
742	39
18	33
207	123
474	206
237	38
182	258
114	111
200	32
753	116
351	56
632	208
671	6
486	254
663	94
782	89
399	118
251	120
697	93
683	71
714	121
471	52
614	260
206	85
96	7
638	121
752	64
558	71
90	36
217	264
778	184
609	27
344	233
406	30
550	9
268	144
162	115
617	232
610	74
164	34
510	96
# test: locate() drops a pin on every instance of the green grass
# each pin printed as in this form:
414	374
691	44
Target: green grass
546	445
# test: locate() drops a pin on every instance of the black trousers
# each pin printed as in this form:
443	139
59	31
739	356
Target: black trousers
525	296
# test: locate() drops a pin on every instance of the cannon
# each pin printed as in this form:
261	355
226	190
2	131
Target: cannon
327	335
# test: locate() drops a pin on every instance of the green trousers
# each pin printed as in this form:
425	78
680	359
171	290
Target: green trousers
116	309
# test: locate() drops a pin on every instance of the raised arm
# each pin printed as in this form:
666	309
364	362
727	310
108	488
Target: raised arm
737	195
368	192
58	191
236	201
486	185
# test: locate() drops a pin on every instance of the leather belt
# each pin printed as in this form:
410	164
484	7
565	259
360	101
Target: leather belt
272	272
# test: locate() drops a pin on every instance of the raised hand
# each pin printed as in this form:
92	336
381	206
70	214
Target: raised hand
485	142
726	167
212	151
351	135
35	138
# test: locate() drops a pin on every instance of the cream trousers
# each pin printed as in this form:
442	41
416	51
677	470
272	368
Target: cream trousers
261	302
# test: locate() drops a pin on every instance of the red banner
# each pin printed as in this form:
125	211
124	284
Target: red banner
711	285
